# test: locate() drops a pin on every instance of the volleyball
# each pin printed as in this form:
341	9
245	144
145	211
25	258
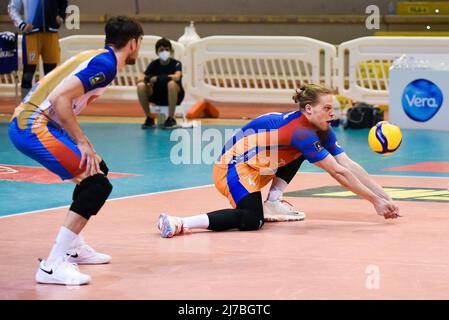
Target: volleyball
384	138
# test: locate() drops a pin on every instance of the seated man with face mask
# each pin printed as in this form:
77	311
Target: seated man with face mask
161	84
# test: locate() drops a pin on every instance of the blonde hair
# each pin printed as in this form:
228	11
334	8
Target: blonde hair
309	94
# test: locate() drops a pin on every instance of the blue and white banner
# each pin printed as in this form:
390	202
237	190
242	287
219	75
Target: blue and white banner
8	52
419	94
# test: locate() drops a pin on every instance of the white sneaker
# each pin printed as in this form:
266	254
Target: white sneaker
281	210
61	272
85	254
170	226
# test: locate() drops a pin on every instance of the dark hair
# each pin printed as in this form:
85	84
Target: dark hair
120	29
309	94
163	42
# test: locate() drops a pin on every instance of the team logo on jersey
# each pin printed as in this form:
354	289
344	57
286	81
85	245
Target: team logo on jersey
318	146
99	77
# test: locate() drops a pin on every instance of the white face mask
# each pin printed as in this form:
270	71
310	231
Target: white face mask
164	55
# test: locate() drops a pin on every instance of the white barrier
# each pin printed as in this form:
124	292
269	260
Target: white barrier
266	69
363	64
124	85
256	69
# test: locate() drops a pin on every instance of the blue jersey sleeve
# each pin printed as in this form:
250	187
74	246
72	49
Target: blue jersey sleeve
330	143
98	73
308	142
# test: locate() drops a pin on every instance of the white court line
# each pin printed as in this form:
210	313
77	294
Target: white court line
120	198
388	175
204	186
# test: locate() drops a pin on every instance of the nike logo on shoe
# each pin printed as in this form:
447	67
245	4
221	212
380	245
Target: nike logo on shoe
47	272
73	255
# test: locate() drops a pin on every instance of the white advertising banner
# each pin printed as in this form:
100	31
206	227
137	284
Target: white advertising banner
419	92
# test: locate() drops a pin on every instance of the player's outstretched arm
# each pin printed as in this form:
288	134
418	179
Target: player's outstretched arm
350	181
362	175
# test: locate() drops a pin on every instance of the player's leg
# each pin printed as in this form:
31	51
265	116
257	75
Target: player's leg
30	60
275	208
55	150
173	91
88	198
243	192
50	51
89	195
144	92
247	216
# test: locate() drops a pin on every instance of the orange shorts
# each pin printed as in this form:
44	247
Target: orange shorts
236	181
45	44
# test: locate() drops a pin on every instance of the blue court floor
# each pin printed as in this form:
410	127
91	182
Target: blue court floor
146	154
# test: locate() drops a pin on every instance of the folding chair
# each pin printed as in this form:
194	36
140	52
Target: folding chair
9	62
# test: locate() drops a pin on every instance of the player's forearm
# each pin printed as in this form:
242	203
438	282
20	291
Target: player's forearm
348	180
64	111
175	77
364	178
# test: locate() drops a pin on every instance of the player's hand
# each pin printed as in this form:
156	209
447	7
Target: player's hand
59	20
387	209
153	80
150	81
88	158
28	27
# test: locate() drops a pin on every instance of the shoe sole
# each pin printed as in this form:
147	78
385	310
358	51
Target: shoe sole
284	218
87	262
47	280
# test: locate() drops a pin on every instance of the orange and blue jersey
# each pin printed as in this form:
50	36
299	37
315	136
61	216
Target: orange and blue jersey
35	129
249	160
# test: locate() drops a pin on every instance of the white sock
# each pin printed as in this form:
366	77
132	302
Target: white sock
277	189
196	222
63	243
77	242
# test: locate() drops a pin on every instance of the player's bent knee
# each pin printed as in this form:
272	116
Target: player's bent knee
141	86
251	221
90	195
172	85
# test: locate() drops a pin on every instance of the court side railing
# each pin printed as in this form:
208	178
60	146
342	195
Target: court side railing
266	69
363	64
256	68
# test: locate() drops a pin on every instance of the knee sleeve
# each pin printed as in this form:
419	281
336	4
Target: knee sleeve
251	220
251	208
248	215
90	195
104	168
28	74
49	67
